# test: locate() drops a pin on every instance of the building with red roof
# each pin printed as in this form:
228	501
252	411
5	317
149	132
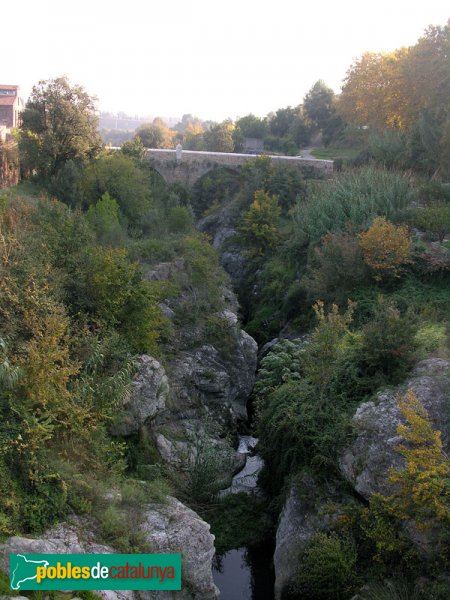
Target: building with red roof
10	106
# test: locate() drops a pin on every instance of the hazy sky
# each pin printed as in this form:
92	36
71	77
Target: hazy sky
213	59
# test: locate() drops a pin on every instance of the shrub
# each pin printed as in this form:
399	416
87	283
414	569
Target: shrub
104	219
386	248
327	569
206	464
434	218
431	337
388	345
337	268
259	226
325	346
118	175
421	488
180	220
388	148
66	184
282	364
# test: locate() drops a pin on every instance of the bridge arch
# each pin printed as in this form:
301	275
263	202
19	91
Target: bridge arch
194	165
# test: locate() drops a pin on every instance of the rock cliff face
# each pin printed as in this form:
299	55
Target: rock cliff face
310	507
209	382
148	396
221	227
364	464
168	528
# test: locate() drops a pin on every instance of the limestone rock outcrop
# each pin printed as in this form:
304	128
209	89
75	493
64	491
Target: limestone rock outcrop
310	507
365	465
168	528
148	396
367	461
208	380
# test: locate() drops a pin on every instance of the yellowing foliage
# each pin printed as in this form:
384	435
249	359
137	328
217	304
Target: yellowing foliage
260	224
422	487
386	247
373	94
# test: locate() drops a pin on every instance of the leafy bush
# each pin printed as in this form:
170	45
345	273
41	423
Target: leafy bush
388	345
180	220
302	423
431	337
434	218
259	227
386	248
336	269
282	364
119	176
327	569
66	184
104	218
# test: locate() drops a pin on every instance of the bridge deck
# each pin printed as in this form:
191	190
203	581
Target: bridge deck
224	155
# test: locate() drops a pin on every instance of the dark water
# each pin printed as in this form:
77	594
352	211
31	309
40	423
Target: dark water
246	573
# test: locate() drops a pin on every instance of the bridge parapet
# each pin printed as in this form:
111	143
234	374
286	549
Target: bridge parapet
194	164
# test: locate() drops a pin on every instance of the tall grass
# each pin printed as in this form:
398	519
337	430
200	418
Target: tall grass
353	199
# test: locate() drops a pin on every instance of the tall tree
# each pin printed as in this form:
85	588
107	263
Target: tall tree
219	138
59	124
373	92
252	127
318	104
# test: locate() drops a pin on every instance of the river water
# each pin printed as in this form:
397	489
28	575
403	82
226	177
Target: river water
246	573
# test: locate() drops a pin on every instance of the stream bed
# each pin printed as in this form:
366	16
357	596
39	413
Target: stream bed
246	573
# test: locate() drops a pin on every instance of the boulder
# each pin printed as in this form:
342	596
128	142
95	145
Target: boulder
367	461
165	270
175	528
75	537
148	395
310	507
169	528
221	381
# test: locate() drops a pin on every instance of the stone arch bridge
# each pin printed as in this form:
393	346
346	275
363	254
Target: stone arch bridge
188	166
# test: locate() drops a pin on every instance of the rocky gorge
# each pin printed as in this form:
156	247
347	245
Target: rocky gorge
201	391
312	506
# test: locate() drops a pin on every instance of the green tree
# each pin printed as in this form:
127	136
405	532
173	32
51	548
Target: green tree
134	148
119	176
388	345
104	218
219	138
152	136
318	104
252	127
327	569
259	227
59	124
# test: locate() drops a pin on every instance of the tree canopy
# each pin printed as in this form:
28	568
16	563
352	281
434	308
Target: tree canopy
59	124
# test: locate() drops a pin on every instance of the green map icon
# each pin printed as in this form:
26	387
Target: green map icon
23	569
